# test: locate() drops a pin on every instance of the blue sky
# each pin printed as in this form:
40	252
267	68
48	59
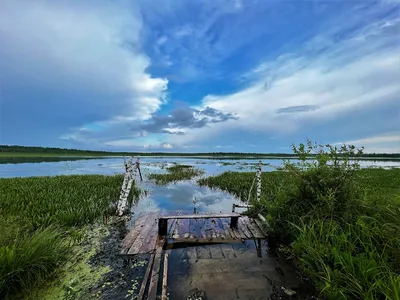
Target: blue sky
180	75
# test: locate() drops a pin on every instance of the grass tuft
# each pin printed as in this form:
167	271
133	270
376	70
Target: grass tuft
176	173
41	218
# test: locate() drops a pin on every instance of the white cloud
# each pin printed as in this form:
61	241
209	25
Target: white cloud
358	72
166	146
388	138
384	143
72	46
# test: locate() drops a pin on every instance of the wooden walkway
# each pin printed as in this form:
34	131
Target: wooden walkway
145	238
198	229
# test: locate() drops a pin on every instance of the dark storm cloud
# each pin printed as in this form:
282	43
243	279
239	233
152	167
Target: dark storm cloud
186	117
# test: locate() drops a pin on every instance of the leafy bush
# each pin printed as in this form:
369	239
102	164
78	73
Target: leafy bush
341	224
349	249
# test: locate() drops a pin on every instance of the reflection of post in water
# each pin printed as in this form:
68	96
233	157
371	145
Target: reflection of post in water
138	167
258	247
194	205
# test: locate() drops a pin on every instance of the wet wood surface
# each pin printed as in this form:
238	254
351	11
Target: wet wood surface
224	271
194	229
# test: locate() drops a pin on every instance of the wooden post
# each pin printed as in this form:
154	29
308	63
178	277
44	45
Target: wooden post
259	181
138	167
234	222
251	188
162	227
126	187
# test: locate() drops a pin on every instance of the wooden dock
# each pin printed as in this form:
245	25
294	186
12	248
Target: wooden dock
151	231
198	229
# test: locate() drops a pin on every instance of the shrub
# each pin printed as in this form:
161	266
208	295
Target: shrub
348	247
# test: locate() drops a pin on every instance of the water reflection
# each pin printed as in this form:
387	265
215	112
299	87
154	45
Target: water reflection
114	165
179	198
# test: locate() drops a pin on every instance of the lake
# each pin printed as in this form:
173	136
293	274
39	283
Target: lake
114	165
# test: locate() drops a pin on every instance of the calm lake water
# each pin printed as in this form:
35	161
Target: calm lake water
114	165
172	197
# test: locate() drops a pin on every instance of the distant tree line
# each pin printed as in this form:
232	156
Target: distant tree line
65	151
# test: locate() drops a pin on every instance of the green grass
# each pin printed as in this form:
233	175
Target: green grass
39	159
176	173
341	224
26	151
40	218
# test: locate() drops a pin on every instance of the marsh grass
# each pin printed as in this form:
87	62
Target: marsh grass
176	173
340	223
40	219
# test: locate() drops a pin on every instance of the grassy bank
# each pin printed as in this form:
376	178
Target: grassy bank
176	173
27	151
42	219
341	224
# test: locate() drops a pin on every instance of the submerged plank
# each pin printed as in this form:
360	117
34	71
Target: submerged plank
156	269
164	295
146	277
202	216
206	240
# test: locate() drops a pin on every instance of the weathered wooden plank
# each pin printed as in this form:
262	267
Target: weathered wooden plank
171	227
227	229
192	228
221	229
149	244
207	240
216	251
146	277
143	234
216	230
261	226
228	251
253	227
199	226
130	238
156	270
208	267
175	233
164	295
201	216
183	227
203	252
243	228
238	233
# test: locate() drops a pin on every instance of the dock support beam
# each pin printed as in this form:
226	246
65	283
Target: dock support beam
234	222
162	227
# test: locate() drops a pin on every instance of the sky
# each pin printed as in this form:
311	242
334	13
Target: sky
200	75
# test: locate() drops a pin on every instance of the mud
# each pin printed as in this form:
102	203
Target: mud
125	275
